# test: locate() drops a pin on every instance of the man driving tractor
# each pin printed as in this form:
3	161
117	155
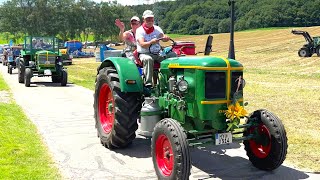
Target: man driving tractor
148	36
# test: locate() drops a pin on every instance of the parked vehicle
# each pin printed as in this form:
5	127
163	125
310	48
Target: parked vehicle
66	57
13	57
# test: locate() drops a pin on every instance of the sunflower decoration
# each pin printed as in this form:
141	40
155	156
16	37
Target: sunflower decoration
234	113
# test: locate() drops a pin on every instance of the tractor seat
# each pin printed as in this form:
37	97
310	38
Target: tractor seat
139	63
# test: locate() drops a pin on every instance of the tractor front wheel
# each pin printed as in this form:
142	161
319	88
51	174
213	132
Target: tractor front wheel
21	71
304	52
318	51
10	69
64	77
268	148
115	112
170	150
27	77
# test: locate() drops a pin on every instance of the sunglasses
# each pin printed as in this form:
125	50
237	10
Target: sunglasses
135	23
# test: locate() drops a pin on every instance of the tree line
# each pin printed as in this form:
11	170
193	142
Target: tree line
71	19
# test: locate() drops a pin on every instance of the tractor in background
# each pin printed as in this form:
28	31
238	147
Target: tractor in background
12	55
41	57
197	100
312	46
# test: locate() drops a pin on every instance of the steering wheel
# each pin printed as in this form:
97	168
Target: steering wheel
156	49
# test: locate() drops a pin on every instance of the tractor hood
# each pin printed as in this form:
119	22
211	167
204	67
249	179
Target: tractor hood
44	52
196	62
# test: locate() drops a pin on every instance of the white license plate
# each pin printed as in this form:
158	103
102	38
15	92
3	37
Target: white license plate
47	72
223	138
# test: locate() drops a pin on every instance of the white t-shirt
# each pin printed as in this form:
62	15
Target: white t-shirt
147	37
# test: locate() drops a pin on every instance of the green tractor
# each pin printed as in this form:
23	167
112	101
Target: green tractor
197	100
312	46
40	57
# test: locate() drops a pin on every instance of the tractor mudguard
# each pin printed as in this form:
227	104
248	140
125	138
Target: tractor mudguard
129	76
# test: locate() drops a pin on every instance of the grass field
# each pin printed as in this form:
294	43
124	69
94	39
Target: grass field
277	80
22	152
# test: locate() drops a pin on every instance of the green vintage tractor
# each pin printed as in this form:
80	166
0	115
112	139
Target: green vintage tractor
40	57
197	100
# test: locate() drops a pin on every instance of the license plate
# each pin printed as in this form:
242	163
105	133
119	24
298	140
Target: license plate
47	72
223	138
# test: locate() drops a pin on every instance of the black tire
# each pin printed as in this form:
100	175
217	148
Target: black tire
170	139
21	71
56	79
64	77
10	69
304	52
318	51
270	150
27	77
116	129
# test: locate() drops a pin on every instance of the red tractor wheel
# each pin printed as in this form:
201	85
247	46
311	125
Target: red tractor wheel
115	112
268	148
170	150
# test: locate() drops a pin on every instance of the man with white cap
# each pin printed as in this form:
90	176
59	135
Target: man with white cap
148	36
128	37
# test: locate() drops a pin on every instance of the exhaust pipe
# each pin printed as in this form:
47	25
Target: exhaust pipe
231	46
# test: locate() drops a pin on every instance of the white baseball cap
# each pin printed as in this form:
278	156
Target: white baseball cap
135	18
147	13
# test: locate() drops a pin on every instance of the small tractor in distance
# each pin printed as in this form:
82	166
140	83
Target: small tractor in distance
312	46
194	102
40	57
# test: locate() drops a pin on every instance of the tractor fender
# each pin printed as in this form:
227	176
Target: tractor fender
128	72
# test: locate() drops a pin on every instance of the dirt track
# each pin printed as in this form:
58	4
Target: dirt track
64	117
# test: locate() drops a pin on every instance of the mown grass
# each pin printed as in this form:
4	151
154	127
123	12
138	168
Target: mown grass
277	80
22	152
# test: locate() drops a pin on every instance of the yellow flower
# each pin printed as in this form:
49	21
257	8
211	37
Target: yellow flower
235	111
230	112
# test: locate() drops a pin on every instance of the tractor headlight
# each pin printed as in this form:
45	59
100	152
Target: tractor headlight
183	85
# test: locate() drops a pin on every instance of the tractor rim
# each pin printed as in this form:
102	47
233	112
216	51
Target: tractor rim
106	108
303	52
164	155
259	150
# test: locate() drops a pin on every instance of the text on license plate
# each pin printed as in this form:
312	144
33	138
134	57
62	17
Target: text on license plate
223	138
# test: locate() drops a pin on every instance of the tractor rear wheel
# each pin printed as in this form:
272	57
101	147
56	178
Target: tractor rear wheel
64	77
170	150
21	71
115	112
27	77
318	51
304	52
268	149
